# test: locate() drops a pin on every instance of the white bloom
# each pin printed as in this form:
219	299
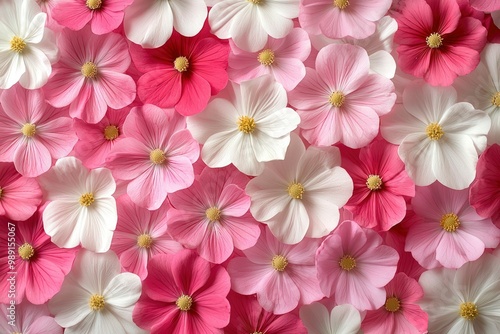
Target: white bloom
438	138
250	22
463	301
96	298
343	319
150	22
245	125
27	48
83	209
300	196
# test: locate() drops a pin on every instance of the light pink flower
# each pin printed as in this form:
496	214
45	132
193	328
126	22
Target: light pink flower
47	6
283	276
33	133
157	155
340	100
28	319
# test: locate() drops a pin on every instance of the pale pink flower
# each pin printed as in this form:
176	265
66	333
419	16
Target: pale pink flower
28	319
47	6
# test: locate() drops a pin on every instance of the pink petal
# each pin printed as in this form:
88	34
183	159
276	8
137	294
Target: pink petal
160	87
32	159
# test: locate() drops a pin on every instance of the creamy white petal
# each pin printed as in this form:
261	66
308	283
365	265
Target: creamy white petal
266	148
316	318
71	304
66	180
243	155
246	29
383	63
217	150
222	14
345	319
398	124
11	68
34	33
428	103
38	69
101	183
61	220
100	220
189	16
418	153
123	290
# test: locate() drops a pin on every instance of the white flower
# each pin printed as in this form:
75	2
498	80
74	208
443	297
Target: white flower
465	300
96	298
245	125
27	48
343	319
439	139
300	196
250	22
150	22
83	209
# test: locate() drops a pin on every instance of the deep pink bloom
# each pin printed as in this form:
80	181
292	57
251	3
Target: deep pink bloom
89	76
212	215
157	155
183	73
33	133
104	15
29	319
381	185
183	294
436	42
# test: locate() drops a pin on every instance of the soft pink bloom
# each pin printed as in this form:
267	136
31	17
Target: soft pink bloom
19	195
183	294
283	276
157	155
485	5
436	42
450	232
354	266
141	234
29	319
104	15
89	76
183	73
40	265
212	215
282	58
401	313
340	100
381	185
47	6
33	133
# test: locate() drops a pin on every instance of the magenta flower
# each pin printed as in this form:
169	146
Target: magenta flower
29	319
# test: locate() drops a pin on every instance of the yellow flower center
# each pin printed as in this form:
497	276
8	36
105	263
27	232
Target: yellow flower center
347	263
341	4
495	100
184	302
96	302
181	64
246	124
434	40
279	262
86	199
374	182
144	240
26	251
213	214
257	333
255	2
450	222
1	192
17	44
28	129
157	156
266	57
468	311
392	304
94	4
434	131
337	99
111	132
89	70
296	190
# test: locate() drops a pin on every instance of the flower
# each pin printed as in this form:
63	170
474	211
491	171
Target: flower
183	73
90	75
300	196
82	208
343	319
283	276
246	125
250	23
438	138
340	101
436	42
47	6
183	294
96	297
485	5
212	215
33	133
157	155
354	266
28	319
27	48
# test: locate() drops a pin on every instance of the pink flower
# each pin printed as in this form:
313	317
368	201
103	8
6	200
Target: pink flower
40	265
47	6
89	75
183	294
485	5
436	43
19	195
212	215
400	314
380	185
282	58
283	276
140	234
28	319
340	100
354	266
33	133
183	73
104	15
157	155
450	232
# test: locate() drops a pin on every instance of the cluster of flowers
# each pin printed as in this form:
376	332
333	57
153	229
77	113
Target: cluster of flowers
250	166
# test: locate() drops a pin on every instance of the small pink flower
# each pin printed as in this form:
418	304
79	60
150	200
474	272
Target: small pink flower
29	319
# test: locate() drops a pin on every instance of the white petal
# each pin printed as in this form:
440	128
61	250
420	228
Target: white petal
189	16
316	318
35	31
247	31
383	63
66	180
275	25
100	221
243	155
11	68
101	183
61	222
218	148
290	225
94	271
71	304
398	124
428	103
267	148
222	16
123	291
418	153
345	319
38	69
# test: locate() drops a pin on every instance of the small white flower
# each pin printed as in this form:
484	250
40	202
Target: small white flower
343	319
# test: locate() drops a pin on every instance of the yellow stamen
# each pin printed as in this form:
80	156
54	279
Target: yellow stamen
1	192
144	240
495	100
296	190
468	311
347	263
28	129
279	262
450	222
181	64
86	199
213	214
337	99
374	182
96	302
26	251
17	44
392	304
111	132
434	40
184	302
89	70
255	2
94	4
341	4
266	57
246	124
434	131
157	157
